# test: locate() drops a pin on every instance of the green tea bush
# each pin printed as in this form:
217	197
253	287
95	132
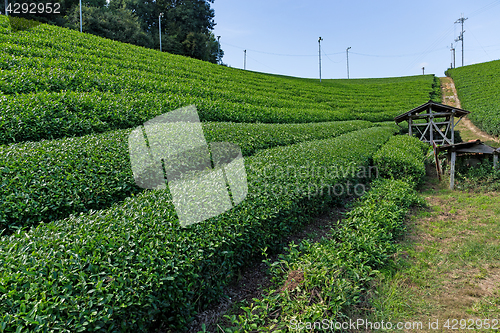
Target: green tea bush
51	179
57	83
478	89
5	27
19	23
130	266
402	157
337	270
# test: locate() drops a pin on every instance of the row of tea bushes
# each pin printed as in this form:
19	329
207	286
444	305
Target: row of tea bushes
402	157
128	267
337	271
57	82
49	180
478	89
45	115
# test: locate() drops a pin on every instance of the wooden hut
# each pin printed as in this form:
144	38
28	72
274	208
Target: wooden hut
439	125
466	148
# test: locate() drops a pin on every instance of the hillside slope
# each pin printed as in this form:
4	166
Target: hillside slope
56	82
478	89
103	255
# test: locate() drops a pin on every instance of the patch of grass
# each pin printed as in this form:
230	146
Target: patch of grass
451	262
482	178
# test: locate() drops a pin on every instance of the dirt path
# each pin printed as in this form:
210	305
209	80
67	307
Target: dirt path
468	130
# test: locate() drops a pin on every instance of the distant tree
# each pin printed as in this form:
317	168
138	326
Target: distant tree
63	7
118	24
186	25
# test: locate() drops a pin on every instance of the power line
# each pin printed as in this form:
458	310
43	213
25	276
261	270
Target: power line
335	62
394	56
428	50
480	44
485	8
263	64
335	53
271	53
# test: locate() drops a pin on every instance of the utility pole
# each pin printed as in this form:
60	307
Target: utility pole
461	37
245	60
452	56
159	26
6	5
423	70
80	15
218	50
319	42
347	53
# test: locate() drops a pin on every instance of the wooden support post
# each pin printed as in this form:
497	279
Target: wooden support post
410	130
495	160
453	128
452	171
436	159
431	128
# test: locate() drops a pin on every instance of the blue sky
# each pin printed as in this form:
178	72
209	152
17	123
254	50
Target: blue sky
387	38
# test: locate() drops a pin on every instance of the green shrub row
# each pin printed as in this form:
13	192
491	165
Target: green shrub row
478	89
48	180
5	27
43	115
402	157
337	270
19	23
35	117
92	85
132	265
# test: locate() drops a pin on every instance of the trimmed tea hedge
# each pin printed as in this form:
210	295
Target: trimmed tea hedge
19	23
478	89
57	82
337	270
49	180
127	267
402	157
4	25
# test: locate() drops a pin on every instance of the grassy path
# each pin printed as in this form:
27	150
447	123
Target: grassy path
450	268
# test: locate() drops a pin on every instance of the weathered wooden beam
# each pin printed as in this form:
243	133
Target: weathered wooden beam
436	159
442	135
437	123
453	127
458	121
419	131
431	121
495	160
452	169
436	115
422	138
410	123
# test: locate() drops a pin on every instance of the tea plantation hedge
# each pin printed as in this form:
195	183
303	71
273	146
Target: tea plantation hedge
338	270
57	82
478	89
132	265
402	157
49	180
5	27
